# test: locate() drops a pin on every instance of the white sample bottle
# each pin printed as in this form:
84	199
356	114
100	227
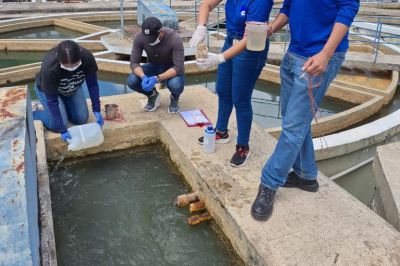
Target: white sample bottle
209	139
85	136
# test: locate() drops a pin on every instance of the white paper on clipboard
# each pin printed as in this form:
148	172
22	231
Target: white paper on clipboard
194	117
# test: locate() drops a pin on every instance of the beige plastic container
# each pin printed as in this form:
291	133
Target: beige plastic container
256	36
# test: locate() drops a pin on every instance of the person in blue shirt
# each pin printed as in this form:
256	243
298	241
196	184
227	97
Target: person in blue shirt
319	41
238	68
58	86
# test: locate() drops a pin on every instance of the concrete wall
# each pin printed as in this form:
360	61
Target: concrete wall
47	238
386	169
31	183
357	138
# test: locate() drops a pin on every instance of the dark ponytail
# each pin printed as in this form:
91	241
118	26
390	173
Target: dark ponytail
68	52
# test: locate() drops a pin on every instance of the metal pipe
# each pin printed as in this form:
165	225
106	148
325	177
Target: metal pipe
121	9
379	40
218	20
195	13
286	34
376	35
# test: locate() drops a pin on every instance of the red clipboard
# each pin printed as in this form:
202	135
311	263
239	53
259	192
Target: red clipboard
195	118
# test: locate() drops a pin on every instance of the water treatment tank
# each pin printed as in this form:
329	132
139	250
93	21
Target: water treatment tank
159	9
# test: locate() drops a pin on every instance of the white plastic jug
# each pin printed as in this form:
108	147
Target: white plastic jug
256	33
209	139
85	136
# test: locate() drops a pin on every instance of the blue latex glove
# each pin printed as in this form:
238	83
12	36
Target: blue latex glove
144	81
99	118
149	83
65	136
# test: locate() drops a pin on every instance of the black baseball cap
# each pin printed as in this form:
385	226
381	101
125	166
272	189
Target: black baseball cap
151	27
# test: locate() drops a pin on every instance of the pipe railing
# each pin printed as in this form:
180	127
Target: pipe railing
374	37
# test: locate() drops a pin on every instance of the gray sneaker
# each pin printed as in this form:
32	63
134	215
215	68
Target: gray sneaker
173	107
153	102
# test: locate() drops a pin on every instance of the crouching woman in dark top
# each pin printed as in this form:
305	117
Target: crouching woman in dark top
59	88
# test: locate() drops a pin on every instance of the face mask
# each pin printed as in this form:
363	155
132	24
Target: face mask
71	68
156	42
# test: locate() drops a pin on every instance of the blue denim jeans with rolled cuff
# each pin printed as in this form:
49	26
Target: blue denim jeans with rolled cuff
73	109
236	79
175	84
295	149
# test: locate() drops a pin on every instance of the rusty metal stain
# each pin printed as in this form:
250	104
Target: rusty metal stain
20	167
4	113
12	102
15	143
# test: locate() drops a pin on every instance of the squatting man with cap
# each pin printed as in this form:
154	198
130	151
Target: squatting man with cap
165	63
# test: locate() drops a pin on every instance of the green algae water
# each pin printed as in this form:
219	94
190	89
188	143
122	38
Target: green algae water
47	32
265	100
10	59
117	209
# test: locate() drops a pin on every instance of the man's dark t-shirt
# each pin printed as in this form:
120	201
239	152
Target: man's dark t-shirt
53	79
169	52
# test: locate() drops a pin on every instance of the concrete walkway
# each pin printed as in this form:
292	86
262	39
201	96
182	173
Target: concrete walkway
324	228
386	168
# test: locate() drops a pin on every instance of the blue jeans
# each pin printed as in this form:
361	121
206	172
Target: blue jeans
73	109
236	79
295	147
175	84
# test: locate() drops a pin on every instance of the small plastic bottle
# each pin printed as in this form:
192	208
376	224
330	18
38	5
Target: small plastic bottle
209	139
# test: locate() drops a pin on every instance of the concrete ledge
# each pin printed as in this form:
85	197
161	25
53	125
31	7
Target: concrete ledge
336	122
387	173
47	239
25	25
44	45
320	228
358	138
78	26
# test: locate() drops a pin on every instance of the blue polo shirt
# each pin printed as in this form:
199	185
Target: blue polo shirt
238	12
311	23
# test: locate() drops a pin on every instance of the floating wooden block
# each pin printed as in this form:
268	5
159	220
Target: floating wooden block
197	206
197	219
186	199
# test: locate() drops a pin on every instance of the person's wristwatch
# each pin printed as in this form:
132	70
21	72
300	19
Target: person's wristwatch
158	79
